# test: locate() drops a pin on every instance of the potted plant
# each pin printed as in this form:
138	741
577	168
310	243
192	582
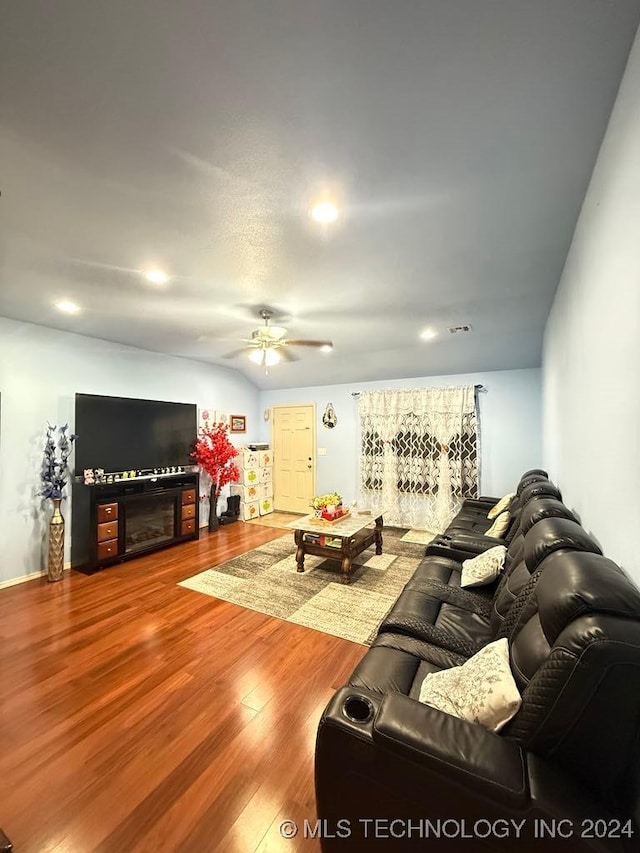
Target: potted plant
54	473
214	453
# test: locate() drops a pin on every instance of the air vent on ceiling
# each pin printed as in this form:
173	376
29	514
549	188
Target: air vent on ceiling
455	329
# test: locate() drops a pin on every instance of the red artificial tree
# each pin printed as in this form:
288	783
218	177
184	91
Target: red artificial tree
215	454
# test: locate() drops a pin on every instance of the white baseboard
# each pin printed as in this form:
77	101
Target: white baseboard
31	577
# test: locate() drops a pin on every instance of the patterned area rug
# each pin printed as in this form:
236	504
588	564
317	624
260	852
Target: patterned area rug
266	580
421	537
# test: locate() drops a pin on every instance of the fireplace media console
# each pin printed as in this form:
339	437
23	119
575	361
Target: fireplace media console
112	522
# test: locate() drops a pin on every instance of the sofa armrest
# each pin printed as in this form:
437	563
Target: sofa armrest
465	752
472	544
483	502
443	549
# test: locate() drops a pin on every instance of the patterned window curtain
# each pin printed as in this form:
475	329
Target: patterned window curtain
419	453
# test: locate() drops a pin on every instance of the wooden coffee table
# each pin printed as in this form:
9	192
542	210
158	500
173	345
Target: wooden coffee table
355	532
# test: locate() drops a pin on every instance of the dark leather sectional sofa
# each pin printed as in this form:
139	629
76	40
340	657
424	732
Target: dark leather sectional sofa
395	773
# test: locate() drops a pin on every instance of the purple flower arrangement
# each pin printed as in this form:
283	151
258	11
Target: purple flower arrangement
55	468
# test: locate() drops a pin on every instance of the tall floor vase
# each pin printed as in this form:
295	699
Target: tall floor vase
213	510
55	561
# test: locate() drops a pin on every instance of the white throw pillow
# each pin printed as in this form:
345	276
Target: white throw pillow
484	568
502	504
499	526
482	690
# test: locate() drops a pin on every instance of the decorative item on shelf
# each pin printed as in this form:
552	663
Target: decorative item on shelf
55	470
89	476
99	473
329	419
328	506
215	454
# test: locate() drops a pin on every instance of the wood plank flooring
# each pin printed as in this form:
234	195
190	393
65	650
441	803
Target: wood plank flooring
139	716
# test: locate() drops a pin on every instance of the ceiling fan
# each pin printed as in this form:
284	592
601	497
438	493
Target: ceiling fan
268	344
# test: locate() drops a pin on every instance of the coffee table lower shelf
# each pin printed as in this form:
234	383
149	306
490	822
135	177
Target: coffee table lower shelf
351	547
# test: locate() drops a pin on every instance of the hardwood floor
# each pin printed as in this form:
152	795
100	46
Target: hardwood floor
140	716
275	519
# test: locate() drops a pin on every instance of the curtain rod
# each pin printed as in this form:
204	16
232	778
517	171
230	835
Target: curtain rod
478	388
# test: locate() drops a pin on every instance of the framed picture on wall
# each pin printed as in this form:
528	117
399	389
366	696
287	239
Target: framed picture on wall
222	417
238	423
207	418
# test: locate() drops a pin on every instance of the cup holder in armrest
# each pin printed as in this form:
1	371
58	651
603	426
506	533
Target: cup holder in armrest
358	709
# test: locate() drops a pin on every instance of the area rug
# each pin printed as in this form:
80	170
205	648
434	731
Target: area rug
420	537
266	580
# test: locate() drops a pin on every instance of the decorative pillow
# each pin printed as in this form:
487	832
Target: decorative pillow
499	526
482	690
484	568
502	504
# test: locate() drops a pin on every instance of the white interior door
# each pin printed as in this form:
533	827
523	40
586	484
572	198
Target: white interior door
294	454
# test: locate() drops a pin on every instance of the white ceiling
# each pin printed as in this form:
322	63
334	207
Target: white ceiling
457	136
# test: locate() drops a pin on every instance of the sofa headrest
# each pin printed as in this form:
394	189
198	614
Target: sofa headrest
554	534
530	478
575	584
543	507
534	471
539	487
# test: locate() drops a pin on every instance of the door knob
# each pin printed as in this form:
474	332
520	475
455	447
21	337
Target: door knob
309	467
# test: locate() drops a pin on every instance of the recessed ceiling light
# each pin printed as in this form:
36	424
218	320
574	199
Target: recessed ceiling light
325	212
67	307
326	348
428	334
156	276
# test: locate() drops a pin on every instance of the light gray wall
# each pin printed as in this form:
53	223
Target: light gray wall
592	344
510	419
40	372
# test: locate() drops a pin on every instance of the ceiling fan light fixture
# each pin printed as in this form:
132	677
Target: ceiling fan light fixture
156	276
325	212
273	333
428	334
265	356
67	306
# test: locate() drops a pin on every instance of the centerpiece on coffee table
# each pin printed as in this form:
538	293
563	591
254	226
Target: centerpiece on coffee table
329	507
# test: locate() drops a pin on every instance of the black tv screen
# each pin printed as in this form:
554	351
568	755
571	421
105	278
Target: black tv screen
120	433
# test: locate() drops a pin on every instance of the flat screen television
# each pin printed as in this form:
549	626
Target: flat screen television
121	433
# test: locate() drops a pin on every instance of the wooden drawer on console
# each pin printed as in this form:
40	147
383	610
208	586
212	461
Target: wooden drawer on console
188	511
107	549
188	526
107	530
188	496
107	512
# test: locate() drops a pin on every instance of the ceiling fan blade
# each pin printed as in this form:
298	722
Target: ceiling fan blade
304	343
